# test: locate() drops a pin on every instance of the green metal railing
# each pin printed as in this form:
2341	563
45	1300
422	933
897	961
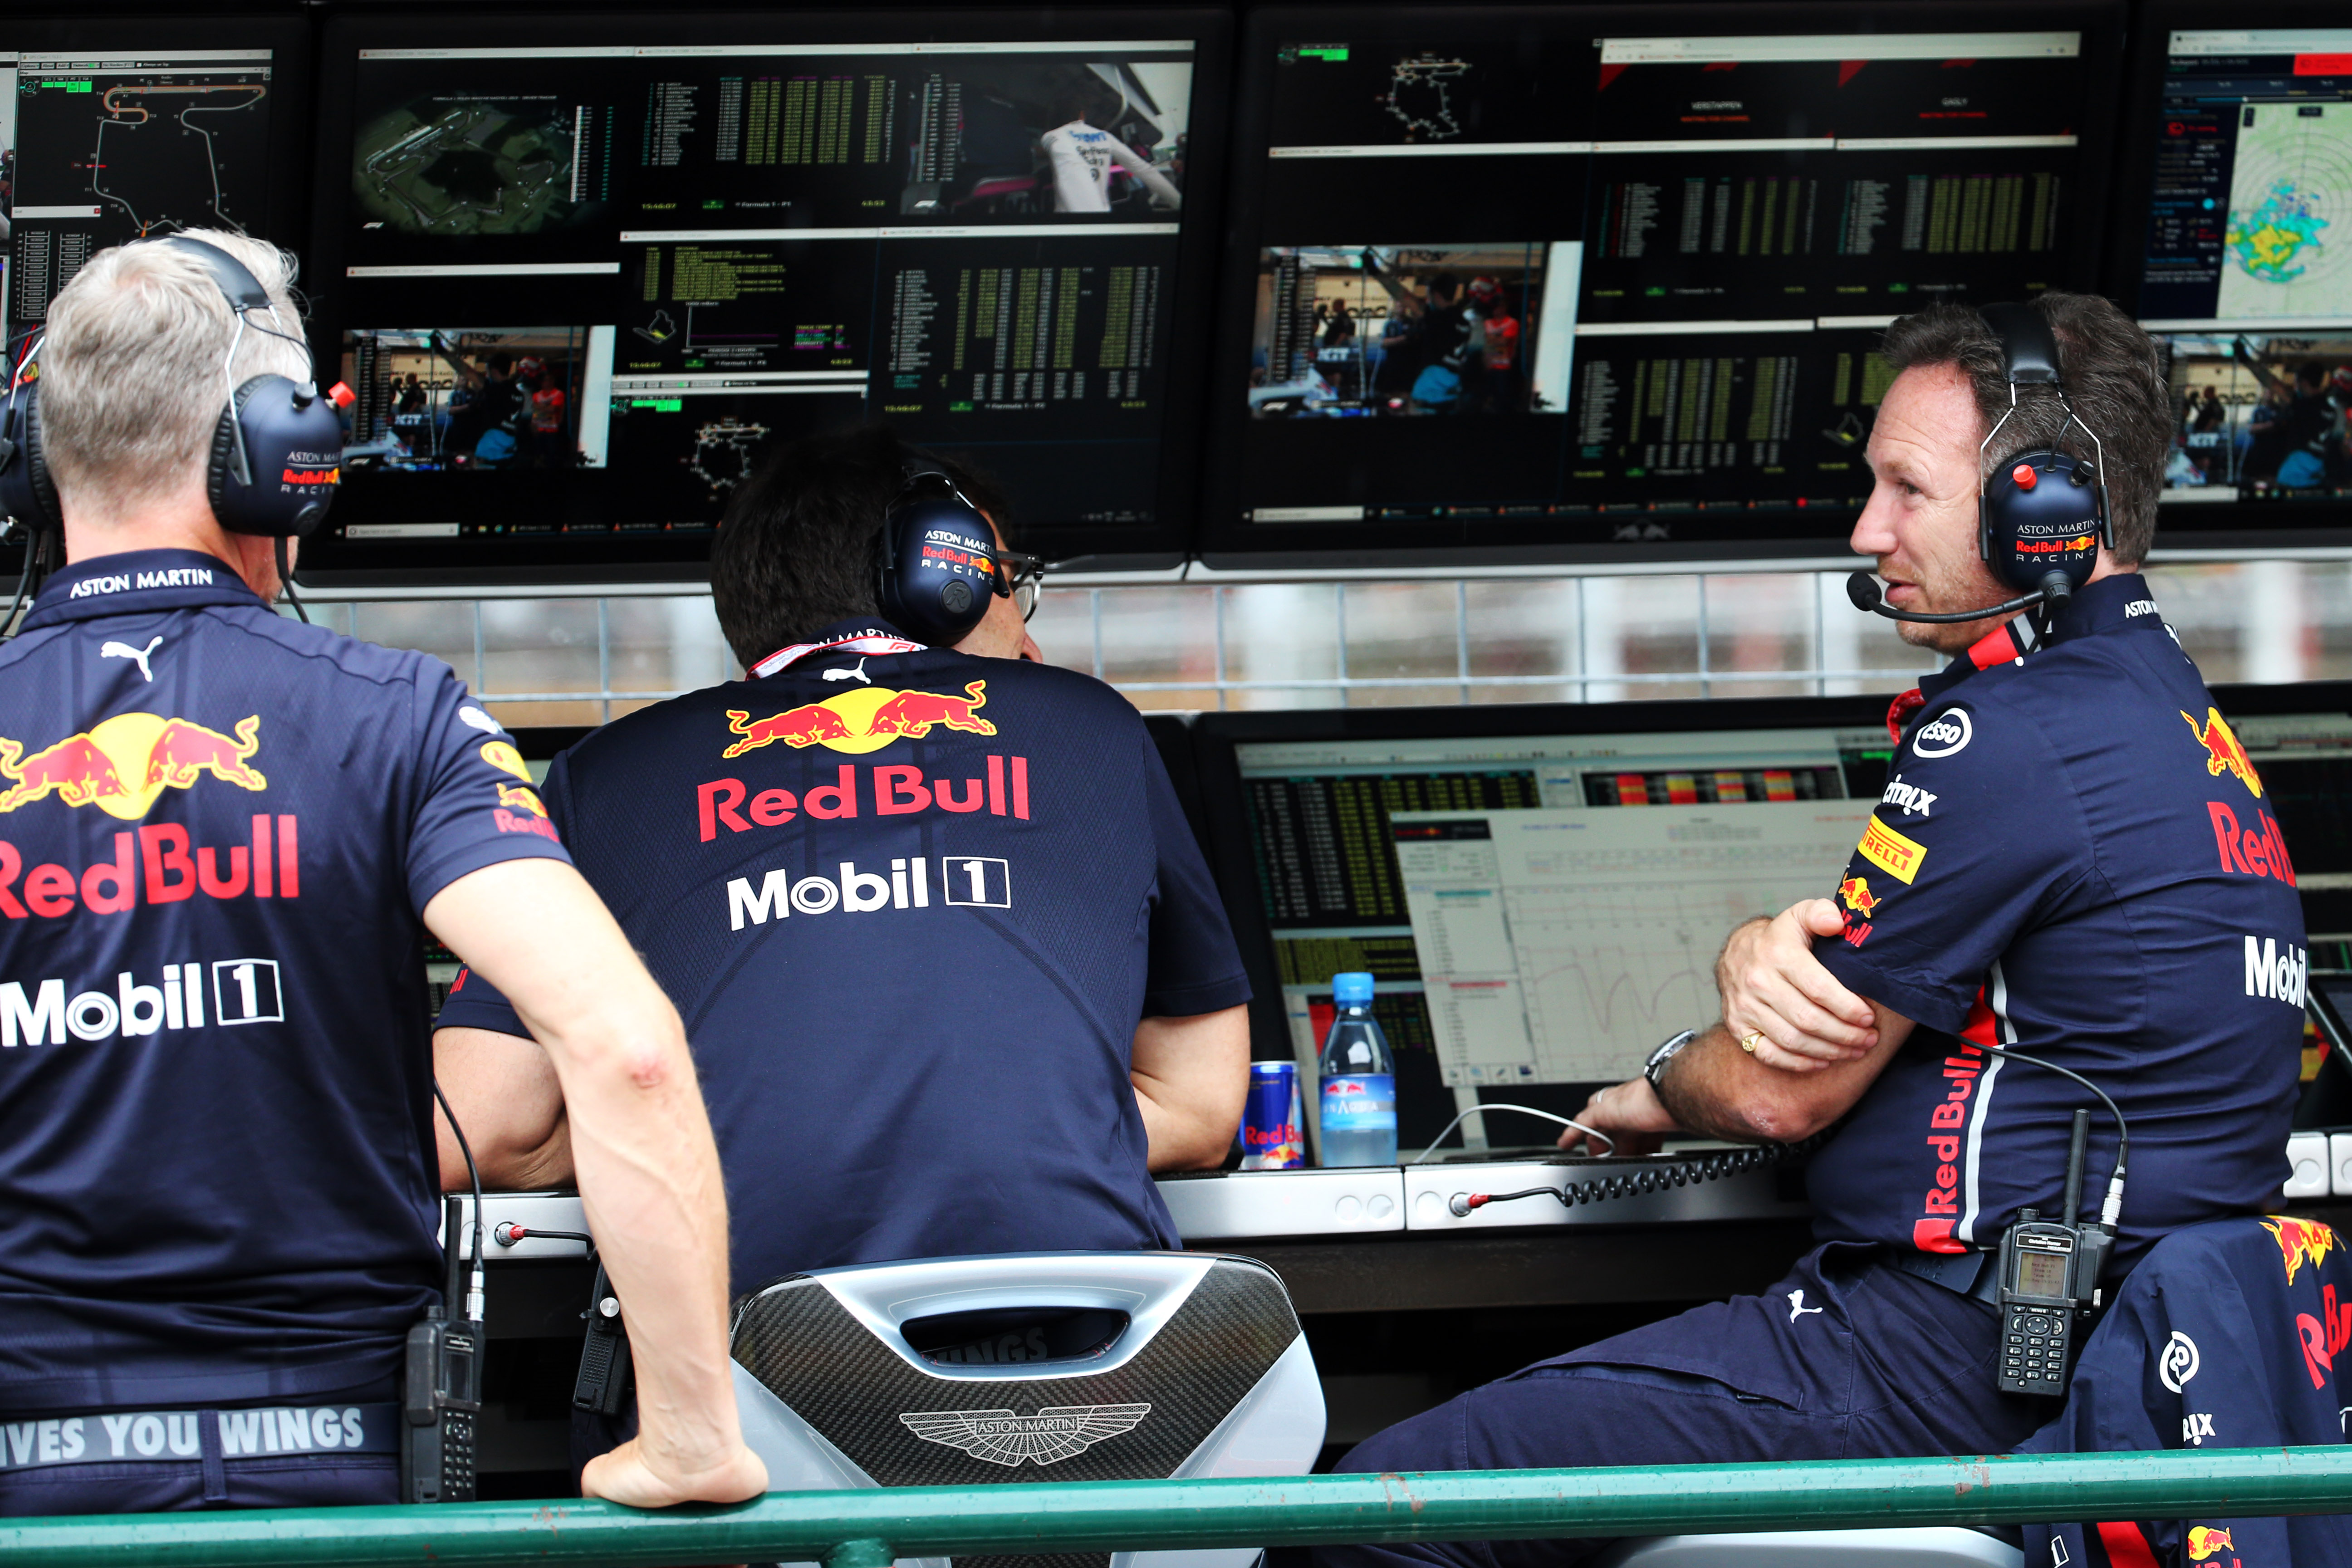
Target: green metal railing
868	1528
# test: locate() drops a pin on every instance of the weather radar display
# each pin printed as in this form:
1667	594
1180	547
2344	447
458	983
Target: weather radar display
2285	244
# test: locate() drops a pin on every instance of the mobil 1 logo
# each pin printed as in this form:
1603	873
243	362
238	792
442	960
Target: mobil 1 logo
972	881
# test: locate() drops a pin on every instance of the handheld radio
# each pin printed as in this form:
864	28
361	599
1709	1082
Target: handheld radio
2050	1284
441	1396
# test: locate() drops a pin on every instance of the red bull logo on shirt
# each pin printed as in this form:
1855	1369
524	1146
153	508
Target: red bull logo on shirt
2205	1540
866	720
2222	752
2300	1241
123	763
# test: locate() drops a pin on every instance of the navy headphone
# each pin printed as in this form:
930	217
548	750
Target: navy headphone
275	455
939	558
2042	519
2044	513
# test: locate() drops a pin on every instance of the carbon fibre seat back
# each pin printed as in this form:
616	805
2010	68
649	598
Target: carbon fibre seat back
1028	1367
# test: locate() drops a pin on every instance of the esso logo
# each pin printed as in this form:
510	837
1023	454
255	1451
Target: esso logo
1948	732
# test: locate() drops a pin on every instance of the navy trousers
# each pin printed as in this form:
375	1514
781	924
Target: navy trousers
1842	1359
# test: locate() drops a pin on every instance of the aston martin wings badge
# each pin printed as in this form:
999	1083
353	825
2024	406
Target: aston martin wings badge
1055	1433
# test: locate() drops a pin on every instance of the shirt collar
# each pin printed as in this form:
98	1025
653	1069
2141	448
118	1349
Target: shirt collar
2116	604
136	580
867	636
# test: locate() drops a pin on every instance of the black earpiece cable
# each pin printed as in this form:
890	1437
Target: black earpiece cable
286	584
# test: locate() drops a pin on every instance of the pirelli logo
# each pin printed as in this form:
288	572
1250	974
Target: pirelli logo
1892	853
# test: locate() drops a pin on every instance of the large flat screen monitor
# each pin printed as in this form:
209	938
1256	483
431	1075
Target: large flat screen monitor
1575	284
2230	245
584	272
1540	892
115	128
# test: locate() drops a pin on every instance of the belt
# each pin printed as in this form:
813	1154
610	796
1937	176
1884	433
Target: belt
1966	1273
184	1437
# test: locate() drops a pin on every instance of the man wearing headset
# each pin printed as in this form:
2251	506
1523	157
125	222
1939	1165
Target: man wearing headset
2073	857
955	972
221	837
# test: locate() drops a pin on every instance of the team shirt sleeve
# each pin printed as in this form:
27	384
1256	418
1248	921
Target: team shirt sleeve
473	1002
1978	837
1193	966
476	804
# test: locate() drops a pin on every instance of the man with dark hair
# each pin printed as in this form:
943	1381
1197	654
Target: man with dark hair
2061	865
955	975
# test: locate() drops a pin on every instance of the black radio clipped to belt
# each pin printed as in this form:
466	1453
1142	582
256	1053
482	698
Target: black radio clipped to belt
441	1385
2050	1271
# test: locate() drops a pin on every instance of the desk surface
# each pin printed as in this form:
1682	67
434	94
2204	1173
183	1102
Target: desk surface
1403	1270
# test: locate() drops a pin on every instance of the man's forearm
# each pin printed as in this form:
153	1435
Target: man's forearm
1700	1089
650	1182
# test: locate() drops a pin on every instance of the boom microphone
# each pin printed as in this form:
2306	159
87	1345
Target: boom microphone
1864	590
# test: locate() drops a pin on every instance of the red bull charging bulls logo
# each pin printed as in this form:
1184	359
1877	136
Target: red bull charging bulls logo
866	720
2223	755
122	765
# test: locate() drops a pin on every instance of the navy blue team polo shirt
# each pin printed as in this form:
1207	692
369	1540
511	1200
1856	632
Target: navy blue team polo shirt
911	905
2073	856
216	831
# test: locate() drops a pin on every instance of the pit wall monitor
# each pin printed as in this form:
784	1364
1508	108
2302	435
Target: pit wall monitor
586	272
1540	892
2230	245
116	128
1593	285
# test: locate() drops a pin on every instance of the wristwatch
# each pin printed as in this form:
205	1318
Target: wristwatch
1656	1068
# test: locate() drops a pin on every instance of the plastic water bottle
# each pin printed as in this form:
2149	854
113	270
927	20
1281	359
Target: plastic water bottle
1358	1099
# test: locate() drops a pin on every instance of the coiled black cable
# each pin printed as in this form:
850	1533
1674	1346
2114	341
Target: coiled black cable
1685	1170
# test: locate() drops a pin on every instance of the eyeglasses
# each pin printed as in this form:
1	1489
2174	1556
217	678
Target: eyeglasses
1020	578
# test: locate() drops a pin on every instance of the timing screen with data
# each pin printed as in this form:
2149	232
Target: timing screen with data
656	265
1645	309
100	150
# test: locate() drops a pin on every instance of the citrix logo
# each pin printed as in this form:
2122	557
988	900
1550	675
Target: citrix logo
243	991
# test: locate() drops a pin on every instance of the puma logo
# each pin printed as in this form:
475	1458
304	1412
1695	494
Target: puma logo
138	656
1797	1308
856	672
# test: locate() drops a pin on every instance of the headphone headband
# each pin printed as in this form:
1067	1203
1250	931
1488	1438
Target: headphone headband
237	281
2028	349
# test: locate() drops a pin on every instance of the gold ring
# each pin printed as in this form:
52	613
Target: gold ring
1748	1041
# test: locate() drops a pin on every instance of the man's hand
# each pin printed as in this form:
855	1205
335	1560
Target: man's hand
628	1475
1630	1113
1774	987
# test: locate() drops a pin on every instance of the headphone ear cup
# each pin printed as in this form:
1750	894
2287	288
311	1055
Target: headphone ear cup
292	445
40	485
221	458
2033	521
939	567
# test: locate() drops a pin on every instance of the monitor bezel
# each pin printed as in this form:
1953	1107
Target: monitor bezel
1226	543
2225	528
1225	806
1095	547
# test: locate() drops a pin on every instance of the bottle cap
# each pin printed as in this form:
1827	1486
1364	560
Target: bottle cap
1355	985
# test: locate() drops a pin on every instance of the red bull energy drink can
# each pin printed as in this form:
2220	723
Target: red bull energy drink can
1274	1132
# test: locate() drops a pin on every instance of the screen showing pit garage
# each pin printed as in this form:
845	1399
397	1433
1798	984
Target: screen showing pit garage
584	289
1488	309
